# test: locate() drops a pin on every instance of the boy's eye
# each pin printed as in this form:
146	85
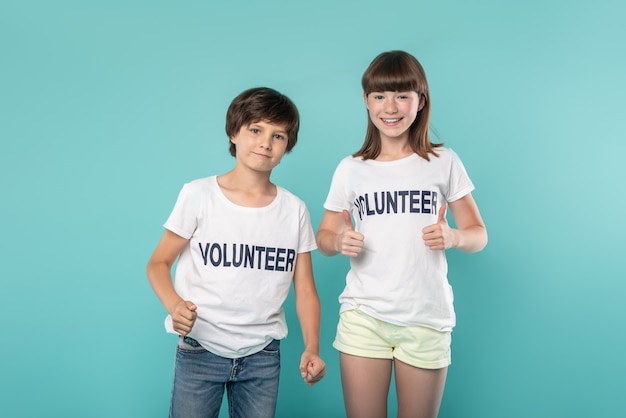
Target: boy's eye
255	130
279	136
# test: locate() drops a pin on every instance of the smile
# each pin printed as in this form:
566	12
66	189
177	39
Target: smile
391	120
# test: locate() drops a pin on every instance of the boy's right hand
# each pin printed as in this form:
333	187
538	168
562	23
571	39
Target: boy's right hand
350	242
183	317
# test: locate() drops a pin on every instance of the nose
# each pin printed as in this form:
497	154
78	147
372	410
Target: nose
391	106
266	142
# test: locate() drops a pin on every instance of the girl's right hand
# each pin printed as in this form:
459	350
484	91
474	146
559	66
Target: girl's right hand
350	242
183	317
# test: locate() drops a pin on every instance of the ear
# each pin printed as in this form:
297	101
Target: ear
422	102
365	100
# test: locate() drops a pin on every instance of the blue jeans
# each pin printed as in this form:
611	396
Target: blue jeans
200	377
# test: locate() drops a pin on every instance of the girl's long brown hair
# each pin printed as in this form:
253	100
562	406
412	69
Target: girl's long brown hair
398	71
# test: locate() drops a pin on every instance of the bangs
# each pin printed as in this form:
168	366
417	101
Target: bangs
389	82
394	71
277	109
282	113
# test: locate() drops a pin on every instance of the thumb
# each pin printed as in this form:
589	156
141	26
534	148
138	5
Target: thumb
441	218
190	305
348	220
303	367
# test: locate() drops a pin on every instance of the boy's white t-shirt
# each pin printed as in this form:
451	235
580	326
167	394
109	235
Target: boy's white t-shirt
397	278
238	266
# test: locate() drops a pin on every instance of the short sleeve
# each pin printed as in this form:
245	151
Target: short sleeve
459	183
338	199
307	236
183	219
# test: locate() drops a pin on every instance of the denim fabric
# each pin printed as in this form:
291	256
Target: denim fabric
200	377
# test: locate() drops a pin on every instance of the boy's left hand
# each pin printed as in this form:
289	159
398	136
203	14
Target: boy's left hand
312	368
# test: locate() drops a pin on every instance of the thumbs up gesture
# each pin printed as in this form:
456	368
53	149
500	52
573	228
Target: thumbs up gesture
350	242
439	236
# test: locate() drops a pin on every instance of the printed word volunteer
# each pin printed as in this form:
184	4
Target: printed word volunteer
399	201
245	256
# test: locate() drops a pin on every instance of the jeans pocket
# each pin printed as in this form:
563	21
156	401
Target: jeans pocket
273	348
189	345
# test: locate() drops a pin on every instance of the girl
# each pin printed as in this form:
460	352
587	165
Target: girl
396	308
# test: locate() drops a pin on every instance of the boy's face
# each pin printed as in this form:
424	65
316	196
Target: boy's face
260	145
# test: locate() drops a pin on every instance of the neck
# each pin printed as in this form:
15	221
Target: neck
247	190
394	149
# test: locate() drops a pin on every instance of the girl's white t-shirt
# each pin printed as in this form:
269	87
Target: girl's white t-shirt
238	266
397	278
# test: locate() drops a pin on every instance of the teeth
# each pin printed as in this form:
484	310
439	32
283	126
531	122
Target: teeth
391	120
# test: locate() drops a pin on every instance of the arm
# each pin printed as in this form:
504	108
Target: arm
336	235
312	367
159	275
470	234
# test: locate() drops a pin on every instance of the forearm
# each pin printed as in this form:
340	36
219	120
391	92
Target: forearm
309	312
471	239
160	278
327	242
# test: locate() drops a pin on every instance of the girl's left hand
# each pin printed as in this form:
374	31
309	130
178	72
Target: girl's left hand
439	236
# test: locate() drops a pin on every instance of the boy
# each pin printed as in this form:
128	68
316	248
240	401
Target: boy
240	241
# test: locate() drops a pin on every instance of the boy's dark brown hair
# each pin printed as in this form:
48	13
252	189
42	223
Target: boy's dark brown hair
262	104
398	71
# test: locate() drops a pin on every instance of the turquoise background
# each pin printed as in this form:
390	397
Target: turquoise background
107	108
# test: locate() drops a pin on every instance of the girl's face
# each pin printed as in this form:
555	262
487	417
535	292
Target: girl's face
393	112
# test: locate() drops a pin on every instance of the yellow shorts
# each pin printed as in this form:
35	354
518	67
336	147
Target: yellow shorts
361	335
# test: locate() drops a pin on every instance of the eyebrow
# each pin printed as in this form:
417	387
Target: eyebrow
278	130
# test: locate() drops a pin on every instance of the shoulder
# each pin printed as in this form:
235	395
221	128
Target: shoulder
349	162
445	153
197	190
203	182
445	156
201	185
289	197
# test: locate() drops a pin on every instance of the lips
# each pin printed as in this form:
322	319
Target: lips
391	120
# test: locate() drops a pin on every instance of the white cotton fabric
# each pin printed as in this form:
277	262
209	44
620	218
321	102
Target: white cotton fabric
238	266
397	278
